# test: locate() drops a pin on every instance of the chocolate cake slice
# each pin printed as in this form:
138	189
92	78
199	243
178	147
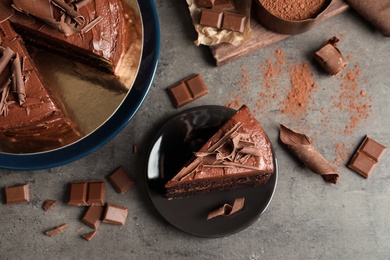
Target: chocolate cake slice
238	154
30	121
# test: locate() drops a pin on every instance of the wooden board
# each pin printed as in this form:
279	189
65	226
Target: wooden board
224	53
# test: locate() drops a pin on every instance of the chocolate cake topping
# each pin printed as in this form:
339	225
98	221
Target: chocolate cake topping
227	209
301	146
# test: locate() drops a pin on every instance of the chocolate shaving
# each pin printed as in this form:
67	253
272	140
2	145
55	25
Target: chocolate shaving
330	57
92	24
5	12
7	55
4	90
301	146
57	230
227	136
17	81
78	18
82	3
227	209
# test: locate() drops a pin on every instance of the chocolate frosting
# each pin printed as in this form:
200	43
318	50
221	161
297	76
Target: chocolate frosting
301	146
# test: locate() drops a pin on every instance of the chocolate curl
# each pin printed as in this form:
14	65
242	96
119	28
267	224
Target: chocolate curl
79	19
301	146
17	81
4	90
330	57
82	3
5	12
7	55
227	210
376	12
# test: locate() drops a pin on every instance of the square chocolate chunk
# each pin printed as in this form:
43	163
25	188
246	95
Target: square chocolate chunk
17	194
121	180
115	214
372	148
196	86
211	18
93	216
362	164
96	193
180	94
78	194
233	22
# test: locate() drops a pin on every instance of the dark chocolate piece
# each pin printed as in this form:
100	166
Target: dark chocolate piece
366	157
187	90
121	180
48	204
96	193
17	194
89	236
227	209
211	18
233	22
301	146
78	194
115	214
330	57
57	230
93	216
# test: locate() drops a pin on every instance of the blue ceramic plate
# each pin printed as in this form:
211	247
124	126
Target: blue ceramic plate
117	121
172	147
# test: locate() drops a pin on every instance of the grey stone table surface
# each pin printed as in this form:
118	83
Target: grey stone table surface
307	218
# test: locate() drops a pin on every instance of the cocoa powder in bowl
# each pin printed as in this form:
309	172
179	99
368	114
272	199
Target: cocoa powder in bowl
295	10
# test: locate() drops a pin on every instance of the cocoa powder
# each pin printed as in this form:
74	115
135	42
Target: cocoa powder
295	10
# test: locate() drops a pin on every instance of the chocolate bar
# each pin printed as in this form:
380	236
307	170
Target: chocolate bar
211	18
330	57
17	194
187	90
96	193
234	22
121	180
48	205
115	214
366	157
93	216
78	194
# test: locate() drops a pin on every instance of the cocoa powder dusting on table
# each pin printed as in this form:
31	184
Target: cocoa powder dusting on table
295	10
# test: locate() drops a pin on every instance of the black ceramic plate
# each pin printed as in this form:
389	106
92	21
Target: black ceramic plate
171	148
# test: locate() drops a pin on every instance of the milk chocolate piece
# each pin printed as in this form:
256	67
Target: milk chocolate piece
115	214
301	146
366	157
330	57
48	204
57	230
78	194
233	22
211	18
223	5
96	193
227	209
187	90
206	3
93	216
17	194
89	236
121	180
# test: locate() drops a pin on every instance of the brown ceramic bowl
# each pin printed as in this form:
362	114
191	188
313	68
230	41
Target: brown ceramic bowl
282	26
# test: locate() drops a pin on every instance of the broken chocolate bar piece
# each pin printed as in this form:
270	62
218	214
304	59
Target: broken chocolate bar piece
115	214
17	194
93	216
187	90
121	180
57	230
48	204
211	18
89	236
233	22
78	194
96	193
223	5
206	3
330	57
366	157
301	146
227	209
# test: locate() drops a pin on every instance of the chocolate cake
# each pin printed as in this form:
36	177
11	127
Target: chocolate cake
238	154
94	32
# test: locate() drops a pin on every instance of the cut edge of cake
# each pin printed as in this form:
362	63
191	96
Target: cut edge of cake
239	154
